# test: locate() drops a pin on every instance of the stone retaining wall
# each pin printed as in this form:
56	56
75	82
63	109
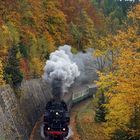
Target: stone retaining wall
18	115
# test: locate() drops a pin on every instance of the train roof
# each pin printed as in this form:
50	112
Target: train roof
83	87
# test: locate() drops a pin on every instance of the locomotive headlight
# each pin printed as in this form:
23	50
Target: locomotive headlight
49	128
64	129
57	113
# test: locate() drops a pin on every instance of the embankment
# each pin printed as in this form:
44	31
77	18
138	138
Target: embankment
18	115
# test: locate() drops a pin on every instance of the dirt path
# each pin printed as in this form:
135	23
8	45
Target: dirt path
35	135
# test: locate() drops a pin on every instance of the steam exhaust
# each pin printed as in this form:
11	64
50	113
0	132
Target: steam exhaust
60	71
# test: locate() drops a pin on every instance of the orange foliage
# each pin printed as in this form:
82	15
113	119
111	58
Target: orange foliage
76	6
24	66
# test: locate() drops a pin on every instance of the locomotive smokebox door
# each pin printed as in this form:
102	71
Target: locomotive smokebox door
56	119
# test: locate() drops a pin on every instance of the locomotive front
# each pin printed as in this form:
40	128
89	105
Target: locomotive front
56	116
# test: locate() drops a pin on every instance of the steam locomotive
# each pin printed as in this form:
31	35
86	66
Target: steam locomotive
56	120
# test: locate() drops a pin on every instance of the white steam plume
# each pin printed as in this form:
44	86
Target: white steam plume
60	66
87	65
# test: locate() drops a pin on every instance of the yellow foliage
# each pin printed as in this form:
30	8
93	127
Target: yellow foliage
127	87
56	21
122	84
2	82
5	40
98	53
51	44
36	67
135	13
106	81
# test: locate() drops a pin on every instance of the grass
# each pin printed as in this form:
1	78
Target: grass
87	127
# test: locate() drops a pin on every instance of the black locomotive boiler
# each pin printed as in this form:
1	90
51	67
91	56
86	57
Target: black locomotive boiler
56	120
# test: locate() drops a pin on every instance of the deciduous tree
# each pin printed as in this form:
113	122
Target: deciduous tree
121	86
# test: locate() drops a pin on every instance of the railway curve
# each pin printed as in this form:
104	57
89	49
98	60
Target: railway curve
76	98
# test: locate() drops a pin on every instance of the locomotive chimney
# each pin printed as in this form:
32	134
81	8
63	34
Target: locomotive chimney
57	89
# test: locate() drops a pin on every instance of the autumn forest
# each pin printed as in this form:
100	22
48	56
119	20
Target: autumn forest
31	29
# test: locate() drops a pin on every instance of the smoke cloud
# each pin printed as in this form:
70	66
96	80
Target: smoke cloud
87	65
64	68
60	67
